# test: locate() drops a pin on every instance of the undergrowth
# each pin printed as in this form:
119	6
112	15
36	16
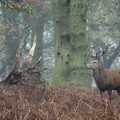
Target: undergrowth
61	103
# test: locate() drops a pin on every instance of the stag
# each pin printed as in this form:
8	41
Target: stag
106	79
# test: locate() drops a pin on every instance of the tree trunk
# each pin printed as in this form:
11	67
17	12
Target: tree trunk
11	35
78	43
61	12
71	43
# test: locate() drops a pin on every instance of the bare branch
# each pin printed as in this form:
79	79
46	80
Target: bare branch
30	54
38	61
17	58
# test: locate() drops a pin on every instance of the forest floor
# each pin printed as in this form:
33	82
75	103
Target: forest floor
61	103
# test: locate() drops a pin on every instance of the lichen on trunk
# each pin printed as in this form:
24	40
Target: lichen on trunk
62	40
78	43
71	43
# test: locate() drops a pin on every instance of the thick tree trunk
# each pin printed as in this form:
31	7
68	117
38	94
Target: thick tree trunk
61	14
78	43
11	36
71	44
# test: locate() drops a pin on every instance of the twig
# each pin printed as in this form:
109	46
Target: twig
38	61
89	106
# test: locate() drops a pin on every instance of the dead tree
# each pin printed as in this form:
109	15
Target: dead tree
25	73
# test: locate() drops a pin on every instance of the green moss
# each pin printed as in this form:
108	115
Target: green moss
70	63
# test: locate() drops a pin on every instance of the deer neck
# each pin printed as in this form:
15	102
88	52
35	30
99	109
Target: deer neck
97	73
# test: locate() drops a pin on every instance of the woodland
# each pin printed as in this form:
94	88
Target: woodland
44	48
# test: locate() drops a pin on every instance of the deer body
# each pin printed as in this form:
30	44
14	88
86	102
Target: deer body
106	79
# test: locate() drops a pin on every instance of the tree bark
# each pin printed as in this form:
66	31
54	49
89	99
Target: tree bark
78	43
71	43
61	12
11	36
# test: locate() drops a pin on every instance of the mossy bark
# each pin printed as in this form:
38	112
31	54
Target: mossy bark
71	43
78	43
61	12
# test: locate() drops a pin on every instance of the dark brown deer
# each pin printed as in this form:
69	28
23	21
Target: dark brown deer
106	79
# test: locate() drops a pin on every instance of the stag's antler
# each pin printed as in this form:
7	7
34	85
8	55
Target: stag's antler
94	54
103	52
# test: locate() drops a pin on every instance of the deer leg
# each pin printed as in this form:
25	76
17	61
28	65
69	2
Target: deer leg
101	94
110	94
118	90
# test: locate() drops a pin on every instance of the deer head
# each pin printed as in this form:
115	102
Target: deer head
94	64
95	58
